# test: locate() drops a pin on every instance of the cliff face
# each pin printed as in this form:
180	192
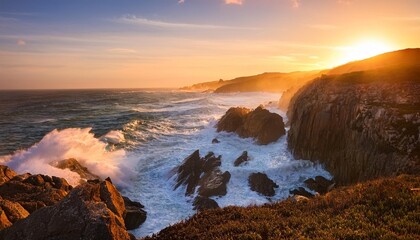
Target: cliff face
361	125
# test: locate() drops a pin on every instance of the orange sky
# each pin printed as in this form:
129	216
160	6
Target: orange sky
141	44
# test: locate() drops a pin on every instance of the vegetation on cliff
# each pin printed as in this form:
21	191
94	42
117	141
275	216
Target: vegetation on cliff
379	209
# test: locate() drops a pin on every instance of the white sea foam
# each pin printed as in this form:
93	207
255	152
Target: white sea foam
71	143
113	137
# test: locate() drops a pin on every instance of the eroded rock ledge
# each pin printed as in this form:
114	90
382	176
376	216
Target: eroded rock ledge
264	126
361	125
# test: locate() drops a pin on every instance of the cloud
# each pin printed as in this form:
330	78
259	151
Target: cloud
296	3
237	2
21	42
132	19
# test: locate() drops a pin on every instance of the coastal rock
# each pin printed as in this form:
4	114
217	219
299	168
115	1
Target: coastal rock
74	166
35	191
10	212
6	174
260	124
188	173
203	203
135	215
90	211
215	140
213	183
320	184
243	158
301	192
360	125
259	182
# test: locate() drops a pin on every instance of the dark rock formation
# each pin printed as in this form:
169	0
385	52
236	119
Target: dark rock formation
34	191
74	166
320	184
189	173
301	192
135	215
213	183
259	182
215	140
243	158
266	127
10	212
90	211
360	125
6	174
203	203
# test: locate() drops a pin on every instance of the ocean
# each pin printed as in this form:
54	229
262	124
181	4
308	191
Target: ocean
137	137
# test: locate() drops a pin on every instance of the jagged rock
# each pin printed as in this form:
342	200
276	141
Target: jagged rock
6	174
213	183
90	211
135	215
203	203
301	192
74	166
210	162
259	182
215	140
260	124
359	125
232	120
320	184
243	158
35	191
189	173
13	210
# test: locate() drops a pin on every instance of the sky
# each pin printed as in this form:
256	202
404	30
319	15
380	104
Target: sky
54	44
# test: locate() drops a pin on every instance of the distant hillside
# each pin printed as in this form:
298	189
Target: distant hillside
266	82
381	209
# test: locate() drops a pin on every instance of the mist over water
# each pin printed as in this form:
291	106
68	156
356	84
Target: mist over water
137	137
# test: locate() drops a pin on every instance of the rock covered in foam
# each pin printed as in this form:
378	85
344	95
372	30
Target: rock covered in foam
259	182
90	211
260	124
74	166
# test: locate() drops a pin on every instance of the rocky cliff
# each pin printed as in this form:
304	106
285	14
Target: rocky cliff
360	125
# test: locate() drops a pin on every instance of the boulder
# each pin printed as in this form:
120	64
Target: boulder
10	212
135	215
320	184
260	124
89	211
215	140
214	183
233	119
6	174
301	192
243	158
203	203
74	166
34	191
211	162
259	182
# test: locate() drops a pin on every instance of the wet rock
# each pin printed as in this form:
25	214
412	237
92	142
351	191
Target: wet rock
260	124
211	162
35	191
188	174
135	215
359	125
90	211
320	184
203	203
301	192
215	140
74	166
259	182
243	158
214	183
6	174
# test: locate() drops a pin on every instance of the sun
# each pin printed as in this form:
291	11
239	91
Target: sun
364	49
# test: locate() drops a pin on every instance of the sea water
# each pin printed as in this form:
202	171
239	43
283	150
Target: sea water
137	137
